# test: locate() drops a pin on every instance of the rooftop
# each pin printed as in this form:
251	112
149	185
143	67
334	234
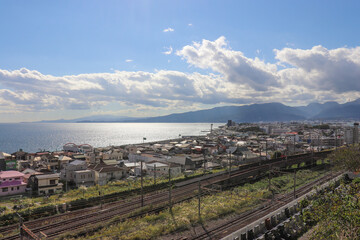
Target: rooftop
7	174
157	164
45	176
3	155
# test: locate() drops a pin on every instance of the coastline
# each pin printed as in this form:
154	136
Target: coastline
37	137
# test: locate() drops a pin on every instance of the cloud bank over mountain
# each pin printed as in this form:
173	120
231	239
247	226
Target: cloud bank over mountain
296	77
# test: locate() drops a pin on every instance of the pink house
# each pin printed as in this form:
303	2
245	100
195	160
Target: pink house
11	182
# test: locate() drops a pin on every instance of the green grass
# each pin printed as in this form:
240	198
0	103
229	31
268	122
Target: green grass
39	206
185	215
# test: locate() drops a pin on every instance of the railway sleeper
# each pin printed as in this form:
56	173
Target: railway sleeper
284	223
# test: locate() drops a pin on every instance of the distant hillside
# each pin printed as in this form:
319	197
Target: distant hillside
267	112
97	118
349	110
250	113
314	109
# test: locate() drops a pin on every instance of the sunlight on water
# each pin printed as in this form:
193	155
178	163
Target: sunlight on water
52	136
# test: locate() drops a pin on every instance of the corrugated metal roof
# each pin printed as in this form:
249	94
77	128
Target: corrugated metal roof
44	176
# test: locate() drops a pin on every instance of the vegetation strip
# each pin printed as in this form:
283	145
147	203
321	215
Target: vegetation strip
33	208
184	216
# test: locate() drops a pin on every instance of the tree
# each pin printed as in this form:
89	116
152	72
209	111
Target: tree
347	158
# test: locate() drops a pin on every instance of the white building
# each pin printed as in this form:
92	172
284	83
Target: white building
160	169
84	178
351	135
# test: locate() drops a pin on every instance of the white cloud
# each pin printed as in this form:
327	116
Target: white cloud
316	74
168	51
321	69
232	65
190	24
128	60
168	30
31	90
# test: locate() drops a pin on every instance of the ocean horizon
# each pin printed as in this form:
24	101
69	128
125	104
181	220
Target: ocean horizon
35	137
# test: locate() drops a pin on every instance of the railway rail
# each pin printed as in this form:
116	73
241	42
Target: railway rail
74	220
248	217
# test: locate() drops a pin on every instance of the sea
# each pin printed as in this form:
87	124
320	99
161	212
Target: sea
35	137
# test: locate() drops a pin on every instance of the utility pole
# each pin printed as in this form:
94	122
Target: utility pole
83	189
142	192
155	174
229	170
230	166
204	162
260	150
294	144
272	195
266	149
294	183
331	169
312	151
170	204
199	201
335	138
20	226
101	200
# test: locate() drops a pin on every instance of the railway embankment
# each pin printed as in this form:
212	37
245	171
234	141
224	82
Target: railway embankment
184	217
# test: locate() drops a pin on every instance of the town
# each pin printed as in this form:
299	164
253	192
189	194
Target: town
45	173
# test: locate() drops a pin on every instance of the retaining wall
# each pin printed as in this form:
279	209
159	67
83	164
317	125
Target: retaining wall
264	224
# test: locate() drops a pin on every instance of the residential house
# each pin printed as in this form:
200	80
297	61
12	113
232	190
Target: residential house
162	169
211	165
175	169
64	160
50	160
45	184
22	164
185	162
115	154
147	157
157	168
11	182
20	155
105	173
7	162
198	159
68	173
84	178
238	154
131	166
92	158
28	173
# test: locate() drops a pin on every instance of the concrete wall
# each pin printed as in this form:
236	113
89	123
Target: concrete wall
258	227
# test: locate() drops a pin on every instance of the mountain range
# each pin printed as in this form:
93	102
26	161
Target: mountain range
266	112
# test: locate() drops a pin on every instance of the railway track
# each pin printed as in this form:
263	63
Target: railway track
77	219
121	210
248	217
68	215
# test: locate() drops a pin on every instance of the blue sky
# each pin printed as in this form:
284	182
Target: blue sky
68	59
